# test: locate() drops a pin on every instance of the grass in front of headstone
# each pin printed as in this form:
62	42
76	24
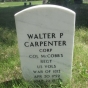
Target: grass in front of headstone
10	72
9	64
80	64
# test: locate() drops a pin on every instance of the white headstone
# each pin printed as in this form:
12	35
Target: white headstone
46	41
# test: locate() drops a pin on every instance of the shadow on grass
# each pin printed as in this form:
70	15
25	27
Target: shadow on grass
9	84
7	25
7	15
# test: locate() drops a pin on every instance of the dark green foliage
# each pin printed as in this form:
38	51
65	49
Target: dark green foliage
81	14
65	2
57	2
78	1
61	2
33	0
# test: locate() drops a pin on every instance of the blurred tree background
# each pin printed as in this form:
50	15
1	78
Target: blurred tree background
17	0
65	2
57	2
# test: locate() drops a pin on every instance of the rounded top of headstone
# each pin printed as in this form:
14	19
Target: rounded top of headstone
45	7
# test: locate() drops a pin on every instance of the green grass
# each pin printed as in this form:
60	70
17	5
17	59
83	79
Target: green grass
85	1
11	4
10	72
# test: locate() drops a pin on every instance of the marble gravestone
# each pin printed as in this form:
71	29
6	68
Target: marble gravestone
46	41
